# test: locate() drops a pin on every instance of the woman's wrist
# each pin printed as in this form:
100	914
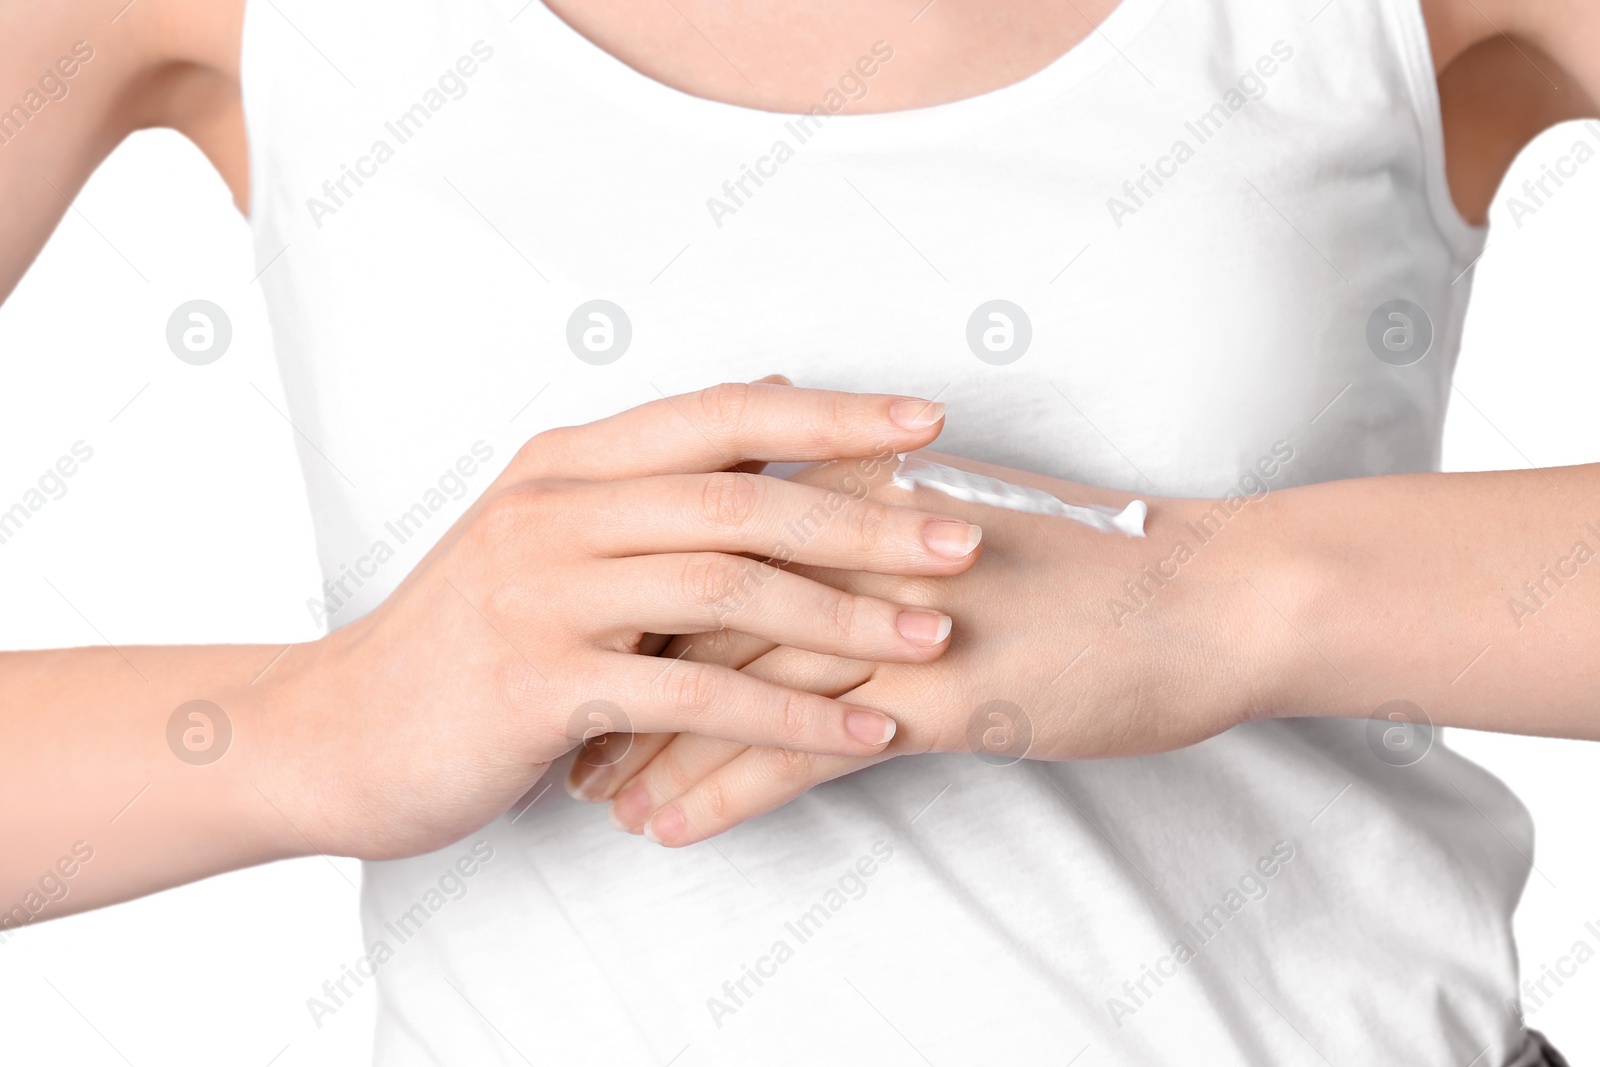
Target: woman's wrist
1186	592
1284	579
285	759
1449	599
1301	556
1347	597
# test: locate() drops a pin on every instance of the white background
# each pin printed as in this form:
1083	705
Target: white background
189	525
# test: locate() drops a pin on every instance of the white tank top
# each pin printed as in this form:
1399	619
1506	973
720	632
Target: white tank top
1200	221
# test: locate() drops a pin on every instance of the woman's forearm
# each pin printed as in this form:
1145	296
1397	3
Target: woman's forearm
123	771
1476	597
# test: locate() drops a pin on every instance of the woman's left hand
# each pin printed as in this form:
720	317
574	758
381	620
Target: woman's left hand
1068	643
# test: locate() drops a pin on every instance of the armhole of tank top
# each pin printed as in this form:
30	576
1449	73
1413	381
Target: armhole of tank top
1410	29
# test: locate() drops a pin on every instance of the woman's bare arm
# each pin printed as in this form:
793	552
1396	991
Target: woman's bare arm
1466	599
131	769
80	77
100	805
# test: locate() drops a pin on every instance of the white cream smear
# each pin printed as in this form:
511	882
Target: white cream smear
981	489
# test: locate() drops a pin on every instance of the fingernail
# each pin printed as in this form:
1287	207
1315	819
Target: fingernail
923	627
631	808
869	727
587	781
772	379
666	823
916	414
952	540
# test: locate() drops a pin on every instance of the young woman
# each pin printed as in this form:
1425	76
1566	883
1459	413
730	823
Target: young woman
1212	254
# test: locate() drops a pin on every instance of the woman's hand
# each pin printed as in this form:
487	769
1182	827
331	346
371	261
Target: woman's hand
1069	643
520	632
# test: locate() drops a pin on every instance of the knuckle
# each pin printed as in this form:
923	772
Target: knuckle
844	621
790	765
690	687
537	451
723	407
709	580
730	500
507	515
791	726
870	524
714	800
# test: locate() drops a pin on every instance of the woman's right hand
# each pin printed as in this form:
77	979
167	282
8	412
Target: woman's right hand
531	623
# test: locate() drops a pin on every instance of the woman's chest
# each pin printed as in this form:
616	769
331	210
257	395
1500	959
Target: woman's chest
500	232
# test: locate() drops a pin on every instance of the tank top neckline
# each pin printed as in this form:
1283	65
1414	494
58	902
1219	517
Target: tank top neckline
631	89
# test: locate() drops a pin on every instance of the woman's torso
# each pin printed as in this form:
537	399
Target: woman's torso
1200	213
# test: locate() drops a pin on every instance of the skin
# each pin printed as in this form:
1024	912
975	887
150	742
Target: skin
483	664
337	742
1273	614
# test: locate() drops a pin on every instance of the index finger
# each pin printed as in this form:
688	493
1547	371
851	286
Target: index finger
718	428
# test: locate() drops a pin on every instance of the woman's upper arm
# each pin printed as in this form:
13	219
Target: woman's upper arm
79	77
